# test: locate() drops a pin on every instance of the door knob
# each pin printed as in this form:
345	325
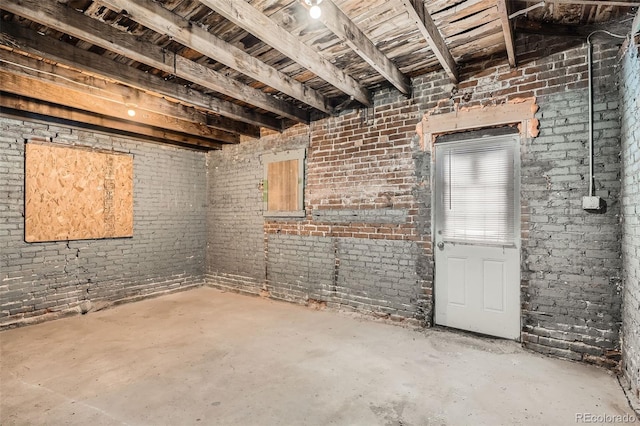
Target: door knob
440	245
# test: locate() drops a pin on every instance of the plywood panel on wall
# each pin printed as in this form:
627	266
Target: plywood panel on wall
282	179
74	193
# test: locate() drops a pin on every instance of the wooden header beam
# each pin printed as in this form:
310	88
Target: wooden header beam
521	113
32	87
74	80
18	106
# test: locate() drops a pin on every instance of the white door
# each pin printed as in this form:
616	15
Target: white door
477	227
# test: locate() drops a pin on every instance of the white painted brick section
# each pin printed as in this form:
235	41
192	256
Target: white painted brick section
630	101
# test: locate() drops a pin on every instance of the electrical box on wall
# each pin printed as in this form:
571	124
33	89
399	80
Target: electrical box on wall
591	203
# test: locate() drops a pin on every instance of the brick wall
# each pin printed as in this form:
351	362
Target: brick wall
630	109
166	252
236	255
570	258
235	252
366	243
358	247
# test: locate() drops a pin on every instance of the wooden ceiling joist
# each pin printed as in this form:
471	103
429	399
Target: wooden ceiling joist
79	99
64	77
526	26
503	11
464	9
595	2
252	20
466	24
340	24
233	117
28	107
236	66
66	20
154	16
419	14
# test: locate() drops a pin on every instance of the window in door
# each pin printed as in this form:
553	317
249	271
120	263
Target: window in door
477	198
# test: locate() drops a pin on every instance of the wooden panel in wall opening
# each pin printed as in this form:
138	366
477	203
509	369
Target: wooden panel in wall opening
73	193
282	180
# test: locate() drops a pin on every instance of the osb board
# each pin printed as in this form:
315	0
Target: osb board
282	180
73	193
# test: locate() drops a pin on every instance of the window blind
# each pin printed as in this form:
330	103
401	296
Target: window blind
475	183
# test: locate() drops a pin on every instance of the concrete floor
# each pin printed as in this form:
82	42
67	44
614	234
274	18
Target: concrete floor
207	357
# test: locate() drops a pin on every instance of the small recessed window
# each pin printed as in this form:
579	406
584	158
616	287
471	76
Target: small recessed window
283	184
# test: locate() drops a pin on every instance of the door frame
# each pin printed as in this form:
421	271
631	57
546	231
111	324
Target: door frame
476	134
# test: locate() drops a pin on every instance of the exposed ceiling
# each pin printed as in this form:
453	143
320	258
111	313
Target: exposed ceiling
203	73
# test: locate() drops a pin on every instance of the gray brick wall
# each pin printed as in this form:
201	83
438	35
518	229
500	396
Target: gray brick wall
300	268
377	275
422	220
306	260
630	111
166	252
236	240
361	216
571	263
373	276
235	246
365	243
571	260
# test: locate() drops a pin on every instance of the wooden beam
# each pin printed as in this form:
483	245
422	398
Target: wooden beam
461	25
66	20
29	42
522	113
38	89
543	28
152	15
595	2
18	106
523	25
252	20
74	80
503	11
462	10
419	14
340	24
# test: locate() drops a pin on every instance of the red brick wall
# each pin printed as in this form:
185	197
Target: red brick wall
367	165
358	163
